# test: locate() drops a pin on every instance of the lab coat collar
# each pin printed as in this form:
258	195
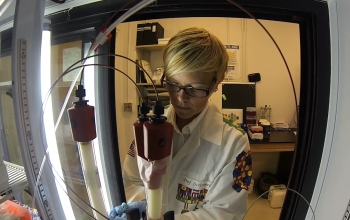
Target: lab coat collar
208	121
188	129
212	125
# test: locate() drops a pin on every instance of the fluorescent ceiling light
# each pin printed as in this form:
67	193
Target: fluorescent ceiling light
89	84
49	125
7	13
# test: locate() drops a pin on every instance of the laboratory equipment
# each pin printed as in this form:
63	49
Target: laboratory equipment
265	112
82	121
153	156
251	116
266	127
255	132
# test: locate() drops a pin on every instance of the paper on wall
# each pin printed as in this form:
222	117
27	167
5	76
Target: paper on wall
233	73
235	114
70	56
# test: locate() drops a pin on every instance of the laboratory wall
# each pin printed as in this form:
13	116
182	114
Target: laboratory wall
262	56
256	54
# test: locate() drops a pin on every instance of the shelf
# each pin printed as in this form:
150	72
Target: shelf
17	181
155	47
240	83
271	147
148	84
163	94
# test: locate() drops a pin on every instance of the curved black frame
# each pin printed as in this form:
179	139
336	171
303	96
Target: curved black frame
313	19
315	80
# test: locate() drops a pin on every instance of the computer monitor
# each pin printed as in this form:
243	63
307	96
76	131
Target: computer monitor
239	96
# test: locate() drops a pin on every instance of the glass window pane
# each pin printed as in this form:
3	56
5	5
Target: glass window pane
62	56
8	132
10	142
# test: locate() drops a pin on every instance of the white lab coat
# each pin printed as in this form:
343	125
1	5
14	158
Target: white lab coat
204	177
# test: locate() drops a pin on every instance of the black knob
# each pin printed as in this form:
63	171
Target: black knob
170	215
133	214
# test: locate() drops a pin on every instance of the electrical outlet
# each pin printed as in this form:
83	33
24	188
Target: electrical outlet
127	107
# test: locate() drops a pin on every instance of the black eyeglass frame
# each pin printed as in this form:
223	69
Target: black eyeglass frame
207	91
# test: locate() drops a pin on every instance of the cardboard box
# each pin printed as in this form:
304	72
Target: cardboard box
147	29
139	34
157	32
149	33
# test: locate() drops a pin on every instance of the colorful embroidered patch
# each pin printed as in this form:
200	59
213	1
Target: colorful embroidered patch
231	123
190	196
242	174
131	150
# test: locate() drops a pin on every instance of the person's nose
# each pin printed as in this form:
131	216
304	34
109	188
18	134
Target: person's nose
182	96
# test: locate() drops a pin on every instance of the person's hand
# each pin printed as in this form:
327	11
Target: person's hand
119	212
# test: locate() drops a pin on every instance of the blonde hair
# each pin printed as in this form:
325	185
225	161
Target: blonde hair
195	50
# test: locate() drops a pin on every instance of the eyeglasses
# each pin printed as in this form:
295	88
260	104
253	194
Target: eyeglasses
189	90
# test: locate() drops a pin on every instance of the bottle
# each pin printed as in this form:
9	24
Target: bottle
158	135
138	129
82	118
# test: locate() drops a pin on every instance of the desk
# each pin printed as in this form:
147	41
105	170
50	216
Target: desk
267	147
283	163
279	141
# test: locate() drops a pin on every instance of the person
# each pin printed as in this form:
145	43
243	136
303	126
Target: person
211	167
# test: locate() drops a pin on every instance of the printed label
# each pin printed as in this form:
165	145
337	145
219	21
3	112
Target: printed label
191	192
